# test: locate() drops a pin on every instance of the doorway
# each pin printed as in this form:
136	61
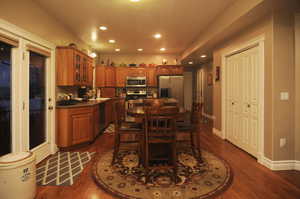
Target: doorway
26	94
243	97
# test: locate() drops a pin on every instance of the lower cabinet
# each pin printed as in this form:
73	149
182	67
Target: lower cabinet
74	126
78	125
109	112
97	125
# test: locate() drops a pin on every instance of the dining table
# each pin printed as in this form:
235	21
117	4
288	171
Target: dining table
139	111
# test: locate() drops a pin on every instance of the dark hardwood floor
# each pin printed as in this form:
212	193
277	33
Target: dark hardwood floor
251	180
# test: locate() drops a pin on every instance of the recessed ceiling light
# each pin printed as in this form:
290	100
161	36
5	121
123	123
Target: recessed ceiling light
140	49
134	0
157	36
203	56
162	49
93	55
103	28
111	41
117	49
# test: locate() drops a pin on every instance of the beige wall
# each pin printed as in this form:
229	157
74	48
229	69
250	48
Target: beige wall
137	58
263	27
284	81
30	17
278	30
297	88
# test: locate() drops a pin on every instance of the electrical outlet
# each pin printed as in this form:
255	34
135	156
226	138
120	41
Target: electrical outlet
284	96
282	142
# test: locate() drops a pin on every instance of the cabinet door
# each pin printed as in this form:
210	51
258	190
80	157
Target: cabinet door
96	121
84	74
100	76
151	77
121	74
177	70
77	68
136	72
82	127
108	113
110	77
90	72
163	70
65	66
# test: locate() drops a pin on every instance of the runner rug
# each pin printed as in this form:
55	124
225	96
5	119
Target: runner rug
63	168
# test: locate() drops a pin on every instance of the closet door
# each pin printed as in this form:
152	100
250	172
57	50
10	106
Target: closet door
250	103
242	105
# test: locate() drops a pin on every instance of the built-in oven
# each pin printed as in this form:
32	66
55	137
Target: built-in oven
136	93
136	82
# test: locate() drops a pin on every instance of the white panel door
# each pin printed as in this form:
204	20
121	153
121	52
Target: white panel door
242	95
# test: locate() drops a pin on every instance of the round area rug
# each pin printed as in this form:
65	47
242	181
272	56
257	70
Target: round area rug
194	180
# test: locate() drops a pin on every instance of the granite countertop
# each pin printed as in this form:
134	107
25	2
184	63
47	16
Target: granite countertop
88	103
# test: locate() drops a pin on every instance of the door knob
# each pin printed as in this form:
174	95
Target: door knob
50	107
232	103
249	105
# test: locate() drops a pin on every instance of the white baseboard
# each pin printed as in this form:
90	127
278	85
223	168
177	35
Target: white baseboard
208	116
218	133
297	165
281	164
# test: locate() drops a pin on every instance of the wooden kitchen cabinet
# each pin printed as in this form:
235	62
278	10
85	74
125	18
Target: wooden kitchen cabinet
110	76
121	75
100	76
97	128
177	70
136	72
90	71
151	77
169	70
72	67
109	116
74	126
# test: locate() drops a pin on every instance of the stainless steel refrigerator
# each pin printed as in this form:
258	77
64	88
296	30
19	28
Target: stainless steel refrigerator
171	87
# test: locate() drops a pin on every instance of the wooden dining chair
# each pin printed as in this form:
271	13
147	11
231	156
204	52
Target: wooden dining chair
160	139
132	104
125	130
187	133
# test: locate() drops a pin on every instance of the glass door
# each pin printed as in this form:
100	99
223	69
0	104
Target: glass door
38	99
5	98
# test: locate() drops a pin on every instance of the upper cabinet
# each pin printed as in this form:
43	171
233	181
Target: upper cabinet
100	76
152	77
169	70
121	75
110	76
73	67
136	72
105	76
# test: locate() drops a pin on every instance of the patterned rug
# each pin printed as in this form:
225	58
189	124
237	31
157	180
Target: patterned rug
63	168
195	180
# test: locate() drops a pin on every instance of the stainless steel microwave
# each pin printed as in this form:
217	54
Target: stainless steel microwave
136	82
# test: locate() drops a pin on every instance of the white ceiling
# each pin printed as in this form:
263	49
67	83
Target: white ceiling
132	24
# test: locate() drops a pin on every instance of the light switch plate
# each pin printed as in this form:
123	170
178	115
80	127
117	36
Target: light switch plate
284	96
